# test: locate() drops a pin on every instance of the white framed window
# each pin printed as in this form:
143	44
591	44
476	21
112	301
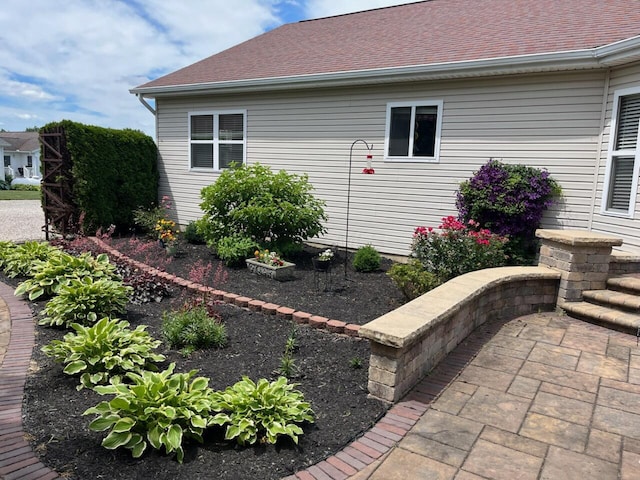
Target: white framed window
623	165
7	160
217	139
412	132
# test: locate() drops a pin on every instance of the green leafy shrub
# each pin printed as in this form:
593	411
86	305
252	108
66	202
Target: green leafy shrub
107	350
5	184
109	173
25	188
85	300
366	259
457	248
191	234
48	276
261	412
158	409
510	201
235	249
412	279
147	218
20	260
276	210
193	328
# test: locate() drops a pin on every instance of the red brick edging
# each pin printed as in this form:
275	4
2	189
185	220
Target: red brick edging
334	326
17	459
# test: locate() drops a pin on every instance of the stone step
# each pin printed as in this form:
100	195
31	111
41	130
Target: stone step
613	298
625	283
616	319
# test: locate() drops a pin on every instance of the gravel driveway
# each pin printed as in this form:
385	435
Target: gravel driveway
21	220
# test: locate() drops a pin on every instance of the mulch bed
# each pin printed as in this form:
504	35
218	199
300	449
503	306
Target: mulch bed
325	374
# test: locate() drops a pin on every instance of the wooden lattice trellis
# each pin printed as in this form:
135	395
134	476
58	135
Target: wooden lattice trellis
56	183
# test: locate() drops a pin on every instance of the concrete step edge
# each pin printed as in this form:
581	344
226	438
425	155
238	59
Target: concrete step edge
625	283
617	299
598	314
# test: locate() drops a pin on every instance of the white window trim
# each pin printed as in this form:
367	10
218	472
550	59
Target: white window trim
613	131
413	104
216	141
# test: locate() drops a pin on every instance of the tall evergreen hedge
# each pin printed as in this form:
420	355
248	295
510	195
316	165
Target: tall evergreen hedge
113	172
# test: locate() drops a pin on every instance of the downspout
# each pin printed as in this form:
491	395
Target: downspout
146	104
603	115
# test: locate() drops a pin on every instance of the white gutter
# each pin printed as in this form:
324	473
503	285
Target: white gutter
593	58
146	104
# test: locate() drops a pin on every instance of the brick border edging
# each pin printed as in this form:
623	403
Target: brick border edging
17	459
315	321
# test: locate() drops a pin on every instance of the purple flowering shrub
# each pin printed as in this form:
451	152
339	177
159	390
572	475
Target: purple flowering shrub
509	200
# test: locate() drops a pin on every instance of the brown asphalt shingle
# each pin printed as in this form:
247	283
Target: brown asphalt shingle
422	33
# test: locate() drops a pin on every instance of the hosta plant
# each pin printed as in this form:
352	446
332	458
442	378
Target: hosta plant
107	350
20	260
5	248
158	409
48	276
85	300
261	411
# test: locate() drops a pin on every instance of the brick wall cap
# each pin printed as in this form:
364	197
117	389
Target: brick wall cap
577	238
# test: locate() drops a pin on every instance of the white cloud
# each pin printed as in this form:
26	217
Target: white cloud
327	8
78	59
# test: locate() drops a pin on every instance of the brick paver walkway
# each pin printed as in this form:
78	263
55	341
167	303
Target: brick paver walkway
540	397
547	397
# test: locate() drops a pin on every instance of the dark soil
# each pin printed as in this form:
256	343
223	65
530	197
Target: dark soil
325	374
353	297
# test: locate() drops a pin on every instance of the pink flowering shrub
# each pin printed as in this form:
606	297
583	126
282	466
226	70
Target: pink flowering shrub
455	248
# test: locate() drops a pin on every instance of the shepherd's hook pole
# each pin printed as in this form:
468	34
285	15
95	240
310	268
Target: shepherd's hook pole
346	237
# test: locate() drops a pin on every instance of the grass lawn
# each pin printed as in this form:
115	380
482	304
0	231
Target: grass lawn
19	195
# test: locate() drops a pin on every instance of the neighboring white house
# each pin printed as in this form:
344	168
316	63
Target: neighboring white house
21	154
3	145
438	87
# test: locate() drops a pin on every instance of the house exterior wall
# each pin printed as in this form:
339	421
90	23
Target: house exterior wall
19	160
552	121
627	228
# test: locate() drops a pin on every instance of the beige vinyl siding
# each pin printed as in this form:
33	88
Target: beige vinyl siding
550	121
627	228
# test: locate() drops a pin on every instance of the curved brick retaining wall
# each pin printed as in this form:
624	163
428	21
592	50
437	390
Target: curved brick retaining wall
410	341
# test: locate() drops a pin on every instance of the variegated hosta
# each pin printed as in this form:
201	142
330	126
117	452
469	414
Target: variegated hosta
85	300
107	350
158	409
261	411
58	270
18	260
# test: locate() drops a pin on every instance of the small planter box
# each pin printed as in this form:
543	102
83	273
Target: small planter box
285	272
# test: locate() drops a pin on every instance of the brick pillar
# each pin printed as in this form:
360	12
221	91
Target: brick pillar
582	258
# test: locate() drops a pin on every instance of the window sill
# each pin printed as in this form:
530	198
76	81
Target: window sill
610	213
412	159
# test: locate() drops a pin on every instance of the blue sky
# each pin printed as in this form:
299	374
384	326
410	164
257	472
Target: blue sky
77	59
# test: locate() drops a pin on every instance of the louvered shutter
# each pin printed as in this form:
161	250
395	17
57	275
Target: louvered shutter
628	121
621	180
621	183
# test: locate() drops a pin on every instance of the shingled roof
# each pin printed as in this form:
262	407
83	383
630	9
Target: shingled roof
436	36
20	141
